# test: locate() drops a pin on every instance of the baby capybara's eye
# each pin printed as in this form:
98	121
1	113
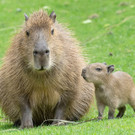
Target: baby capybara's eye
52	31
98	69
27	33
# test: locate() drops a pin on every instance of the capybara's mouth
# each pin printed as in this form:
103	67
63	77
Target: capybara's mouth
41	69
84	77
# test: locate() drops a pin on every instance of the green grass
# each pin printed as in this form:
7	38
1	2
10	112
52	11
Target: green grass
109	33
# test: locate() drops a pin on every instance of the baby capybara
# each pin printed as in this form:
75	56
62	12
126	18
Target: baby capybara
114	90
41	74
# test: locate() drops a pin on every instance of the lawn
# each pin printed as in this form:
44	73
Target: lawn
109	37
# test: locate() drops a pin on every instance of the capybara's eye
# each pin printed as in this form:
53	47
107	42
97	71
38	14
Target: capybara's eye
35	52
27	33
52	31
98	69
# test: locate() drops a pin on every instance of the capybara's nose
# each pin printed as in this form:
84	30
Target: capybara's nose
83	72
41	52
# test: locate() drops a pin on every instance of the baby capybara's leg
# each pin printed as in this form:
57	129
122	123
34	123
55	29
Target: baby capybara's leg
26	116
101	108
111	113
121	112
132	104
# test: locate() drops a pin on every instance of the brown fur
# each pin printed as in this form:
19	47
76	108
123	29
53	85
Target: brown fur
112	90
42	94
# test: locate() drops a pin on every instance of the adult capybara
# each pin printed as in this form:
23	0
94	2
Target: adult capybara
41	75
111	89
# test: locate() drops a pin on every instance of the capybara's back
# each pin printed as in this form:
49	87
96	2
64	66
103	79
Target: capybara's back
41	75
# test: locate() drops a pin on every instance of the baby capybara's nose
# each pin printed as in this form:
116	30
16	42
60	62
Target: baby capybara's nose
83	72
41	52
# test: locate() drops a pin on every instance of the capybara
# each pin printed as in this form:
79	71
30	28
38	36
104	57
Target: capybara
114	90
40	78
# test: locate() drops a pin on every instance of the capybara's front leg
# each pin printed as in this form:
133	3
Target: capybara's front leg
101	108
62	107
59	114
26	116
111	113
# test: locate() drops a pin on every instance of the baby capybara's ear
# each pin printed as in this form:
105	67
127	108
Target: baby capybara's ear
110	68
104	63
26	17
53	16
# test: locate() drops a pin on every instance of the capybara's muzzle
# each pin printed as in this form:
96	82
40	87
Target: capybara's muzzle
41	59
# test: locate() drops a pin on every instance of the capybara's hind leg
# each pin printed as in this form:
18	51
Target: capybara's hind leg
111	113
121	112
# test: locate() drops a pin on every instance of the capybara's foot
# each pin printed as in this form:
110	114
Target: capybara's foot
111	117
99	117
26	124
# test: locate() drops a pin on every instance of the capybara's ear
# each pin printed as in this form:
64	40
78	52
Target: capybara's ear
110	68
53	16
26	17
104	63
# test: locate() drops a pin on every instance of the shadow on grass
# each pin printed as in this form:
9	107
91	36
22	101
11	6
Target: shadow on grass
104	119
5	125
8	127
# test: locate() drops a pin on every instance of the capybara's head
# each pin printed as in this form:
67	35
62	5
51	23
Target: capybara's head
97	72
39	33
